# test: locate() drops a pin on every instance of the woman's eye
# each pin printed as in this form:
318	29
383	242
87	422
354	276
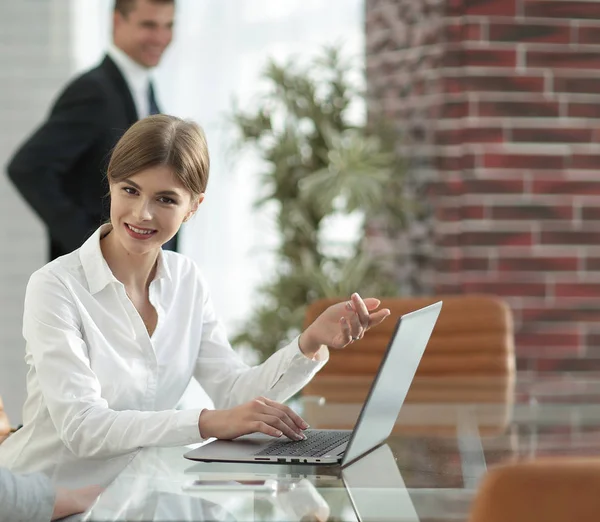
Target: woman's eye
129	190
168	201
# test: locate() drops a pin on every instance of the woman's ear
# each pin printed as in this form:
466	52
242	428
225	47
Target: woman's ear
194	207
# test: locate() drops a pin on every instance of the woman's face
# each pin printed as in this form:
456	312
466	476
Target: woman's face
147	209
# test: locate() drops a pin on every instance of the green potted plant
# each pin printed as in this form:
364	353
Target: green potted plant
320	164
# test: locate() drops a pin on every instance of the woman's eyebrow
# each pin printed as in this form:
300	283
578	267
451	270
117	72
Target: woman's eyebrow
167	193
162	192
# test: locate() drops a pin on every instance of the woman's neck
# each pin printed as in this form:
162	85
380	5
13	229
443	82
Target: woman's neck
136	272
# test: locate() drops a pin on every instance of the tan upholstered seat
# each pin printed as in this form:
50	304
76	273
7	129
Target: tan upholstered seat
561	489
4	424
472	338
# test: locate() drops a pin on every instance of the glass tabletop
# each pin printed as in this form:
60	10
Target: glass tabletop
448	433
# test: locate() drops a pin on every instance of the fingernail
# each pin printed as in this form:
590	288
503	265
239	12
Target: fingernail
305	426
278	433
349	306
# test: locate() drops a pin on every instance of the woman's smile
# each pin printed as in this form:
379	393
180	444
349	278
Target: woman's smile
139	232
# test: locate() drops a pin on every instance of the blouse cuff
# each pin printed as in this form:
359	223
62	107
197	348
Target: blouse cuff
301	362
187	426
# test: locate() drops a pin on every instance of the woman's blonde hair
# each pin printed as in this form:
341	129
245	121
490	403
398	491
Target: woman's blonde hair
166	141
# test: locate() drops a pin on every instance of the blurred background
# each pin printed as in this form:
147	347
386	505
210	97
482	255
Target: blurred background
217	56
483	116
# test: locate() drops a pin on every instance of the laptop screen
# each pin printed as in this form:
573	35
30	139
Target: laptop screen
393	380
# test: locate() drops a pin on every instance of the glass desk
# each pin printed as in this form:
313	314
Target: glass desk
447	435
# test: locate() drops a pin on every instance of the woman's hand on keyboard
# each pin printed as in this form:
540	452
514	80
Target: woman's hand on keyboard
260	415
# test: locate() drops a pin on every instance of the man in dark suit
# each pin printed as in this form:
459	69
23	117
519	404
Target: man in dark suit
60	170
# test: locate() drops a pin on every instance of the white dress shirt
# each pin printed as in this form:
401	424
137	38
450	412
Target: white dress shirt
100	387
137	77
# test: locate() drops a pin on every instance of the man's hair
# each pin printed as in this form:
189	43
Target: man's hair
126	6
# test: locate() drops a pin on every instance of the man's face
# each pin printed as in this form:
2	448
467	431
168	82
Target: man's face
145	32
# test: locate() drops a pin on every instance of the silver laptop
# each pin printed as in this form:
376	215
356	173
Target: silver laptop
376	419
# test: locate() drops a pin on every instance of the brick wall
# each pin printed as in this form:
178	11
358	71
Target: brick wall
498	103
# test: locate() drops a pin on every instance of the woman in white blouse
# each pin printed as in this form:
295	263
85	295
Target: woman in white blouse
116	330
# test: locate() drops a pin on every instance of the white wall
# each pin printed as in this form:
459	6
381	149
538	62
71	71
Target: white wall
34	64
219	50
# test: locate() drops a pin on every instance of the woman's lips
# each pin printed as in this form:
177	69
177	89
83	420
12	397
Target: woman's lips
137	235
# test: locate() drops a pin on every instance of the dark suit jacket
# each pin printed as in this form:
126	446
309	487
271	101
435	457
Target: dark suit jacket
61	169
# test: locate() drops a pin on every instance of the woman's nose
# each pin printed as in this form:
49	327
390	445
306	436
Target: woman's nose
142	211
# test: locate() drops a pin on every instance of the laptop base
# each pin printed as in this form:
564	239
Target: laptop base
244	449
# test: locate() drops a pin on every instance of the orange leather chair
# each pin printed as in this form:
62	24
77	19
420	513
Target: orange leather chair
4	424
471	345
561	489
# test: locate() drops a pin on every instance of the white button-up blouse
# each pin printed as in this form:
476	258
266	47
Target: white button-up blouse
99	387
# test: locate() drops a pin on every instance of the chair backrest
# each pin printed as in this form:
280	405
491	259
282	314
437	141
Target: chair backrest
560	489
473	337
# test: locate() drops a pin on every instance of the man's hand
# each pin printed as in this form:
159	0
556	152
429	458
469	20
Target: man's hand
72	501
260	415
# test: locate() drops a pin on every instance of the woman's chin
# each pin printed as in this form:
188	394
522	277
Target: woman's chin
137	247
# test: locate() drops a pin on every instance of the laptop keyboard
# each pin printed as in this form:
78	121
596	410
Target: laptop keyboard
317	444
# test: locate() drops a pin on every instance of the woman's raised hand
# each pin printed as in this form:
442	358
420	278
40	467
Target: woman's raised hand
342	323
260	415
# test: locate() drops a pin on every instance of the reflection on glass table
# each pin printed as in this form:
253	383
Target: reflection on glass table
163	486
377	490
445	439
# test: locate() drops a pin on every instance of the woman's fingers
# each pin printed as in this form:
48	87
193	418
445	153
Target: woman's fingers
285	419
346	333
278	423
358	319
378	317
371	303
299	421
356	328
366	319
259	426
361	310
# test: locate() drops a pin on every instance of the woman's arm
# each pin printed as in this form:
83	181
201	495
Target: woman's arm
230	382
71	390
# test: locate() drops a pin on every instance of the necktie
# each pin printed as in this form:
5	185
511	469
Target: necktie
152	100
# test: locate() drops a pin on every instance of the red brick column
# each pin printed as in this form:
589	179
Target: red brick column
498	102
